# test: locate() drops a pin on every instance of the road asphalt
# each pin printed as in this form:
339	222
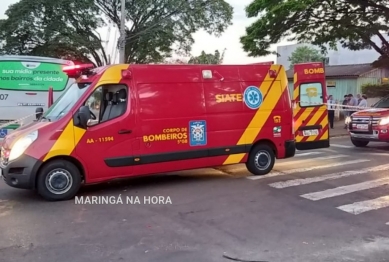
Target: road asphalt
322	205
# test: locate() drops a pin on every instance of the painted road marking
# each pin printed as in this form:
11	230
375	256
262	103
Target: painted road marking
343	190
333	176
364	206
308	154
288	162
341	146
306	169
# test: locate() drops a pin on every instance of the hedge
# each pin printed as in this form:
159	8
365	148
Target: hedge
375	90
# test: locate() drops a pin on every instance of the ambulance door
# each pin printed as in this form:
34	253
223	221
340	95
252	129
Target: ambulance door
106	147
310	110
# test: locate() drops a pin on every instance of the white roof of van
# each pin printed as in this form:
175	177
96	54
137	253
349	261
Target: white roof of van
38	59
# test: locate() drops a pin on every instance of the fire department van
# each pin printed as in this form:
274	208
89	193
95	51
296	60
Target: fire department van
370	125
120	121
310	109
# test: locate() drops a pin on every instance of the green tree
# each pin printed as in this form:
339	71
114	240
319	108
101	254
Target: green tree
204	58
156	26
64	29
67	28
305	54
352	22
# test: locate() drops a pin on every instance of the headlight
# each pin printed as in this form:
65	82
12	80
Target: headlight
22	144
384	121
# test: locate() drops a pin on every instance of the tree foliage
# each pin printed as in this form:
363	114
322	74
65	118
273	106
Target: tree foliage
175	61
204	58
375	90
64	29
352	22
304	54
157	27
67	28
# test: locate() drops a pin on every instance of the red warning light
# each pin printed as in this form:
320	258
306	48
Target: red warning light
272	73
126	74
77	67
75	71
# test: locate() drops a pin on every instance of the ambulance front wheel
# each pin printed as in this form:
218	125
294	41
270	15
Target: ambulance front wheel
261	160
58	180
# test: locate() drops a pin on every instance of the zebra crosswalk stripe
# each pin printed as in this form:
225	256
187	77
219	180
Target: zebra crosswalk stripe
367	205
343	190
310	159
307	154
306	169
340	146
310	180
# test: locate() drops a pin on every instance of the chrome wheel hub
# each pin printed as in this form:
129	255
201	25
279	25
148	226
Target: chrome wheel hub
59	181
262	160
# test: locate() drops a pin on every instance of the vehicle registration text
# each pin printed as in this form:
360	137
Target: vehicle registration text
312	132
362	126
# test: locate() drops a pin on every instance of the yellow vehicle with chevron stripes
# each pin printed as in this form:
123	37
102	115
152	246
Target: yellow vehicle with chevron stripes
310	106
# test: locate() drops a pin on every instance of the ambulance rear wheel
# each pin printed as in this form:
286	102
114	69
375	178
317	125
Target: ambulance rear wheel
261	160
359	143
58	180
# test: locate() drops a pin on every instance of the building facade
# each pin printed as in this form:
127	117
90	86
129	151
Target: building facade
341	56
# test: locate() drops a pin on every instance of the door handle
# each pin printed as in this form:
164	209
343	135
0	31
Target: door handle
125	131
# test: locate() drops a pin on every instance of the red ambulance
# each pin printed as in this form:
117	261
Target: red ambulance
131	120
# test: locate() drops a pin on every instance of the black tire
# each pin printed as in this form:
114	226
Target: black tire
261	160
68	177
359	143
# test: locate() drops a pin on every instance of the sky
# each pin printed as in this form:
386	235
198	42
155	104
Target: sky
234	53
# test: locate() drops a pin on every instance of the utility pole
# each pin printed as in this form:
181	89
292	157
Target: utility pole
122	40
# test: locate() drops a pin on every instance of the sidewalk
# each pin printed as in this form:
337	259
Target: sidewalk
338	129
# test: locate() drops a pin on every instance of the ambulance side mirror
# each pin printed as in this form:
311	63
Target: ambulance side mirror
83	116
38	113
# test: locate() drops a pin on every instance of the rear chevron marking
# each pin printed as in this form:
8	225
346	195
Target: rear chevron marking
318	121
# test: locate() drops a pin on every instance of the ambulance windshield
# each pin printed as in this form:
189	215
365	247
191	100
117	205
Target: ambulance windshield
65	102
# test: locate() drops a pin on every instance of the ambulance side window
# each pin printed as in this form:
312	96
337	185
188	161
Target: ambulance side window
94	103
311	94
107	102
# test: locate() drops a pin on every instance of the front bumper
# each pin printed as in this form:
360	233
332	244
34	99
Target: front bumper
376	134
21	173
